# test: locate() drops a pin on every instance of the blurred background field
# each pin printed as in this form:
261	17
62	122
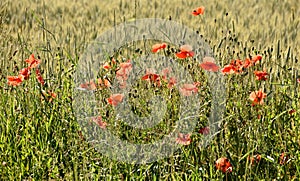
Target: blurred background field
41	140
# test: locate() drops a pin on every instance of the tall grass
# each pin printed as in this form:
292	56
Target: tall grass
41	140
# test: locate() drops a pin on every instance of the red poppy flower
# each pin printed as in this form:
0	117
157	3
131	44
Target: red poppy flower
235	66
123	73
254	159
256	58
188	89
124	70
126	65
99	122
152	77
204	131
228	69
15	80
224	165
172	82
183	139
250	62
89	85
25	72
106	66
185	51
298	80
209	64
103	83
198	11
115	99
261	75
247	63
257	97
157	47
39	77
33	63
237	63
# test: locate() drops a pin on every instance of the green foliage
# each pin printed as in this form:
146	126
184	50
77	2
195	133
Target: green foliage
41	139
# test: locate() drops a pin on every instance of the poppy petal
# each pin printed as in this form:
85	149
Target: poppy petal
209	65
181	55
